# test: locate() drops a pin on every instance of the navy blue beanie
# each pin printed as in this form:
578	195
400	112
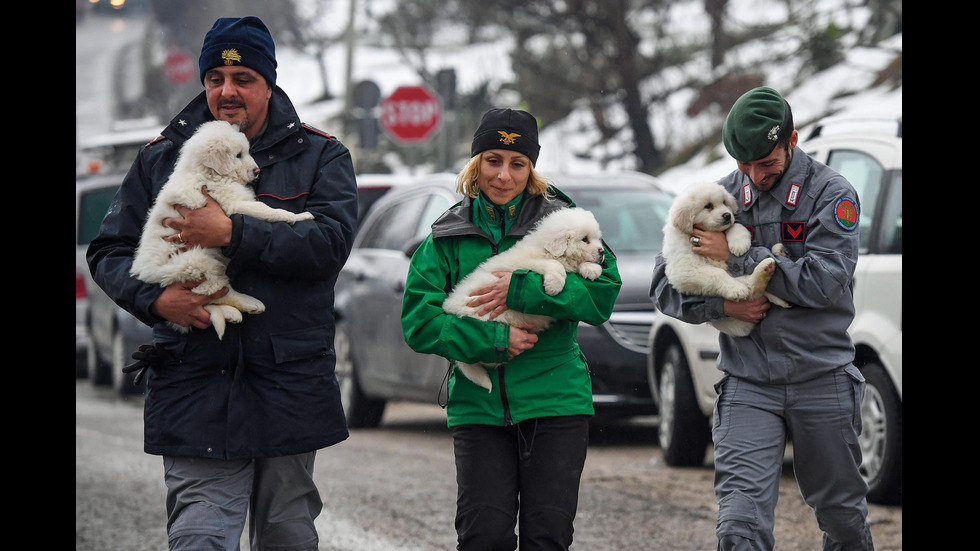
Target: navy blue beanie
242	41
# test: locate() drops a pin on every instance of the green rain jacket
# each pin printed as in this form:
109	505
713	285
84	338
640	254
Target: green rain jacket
550	379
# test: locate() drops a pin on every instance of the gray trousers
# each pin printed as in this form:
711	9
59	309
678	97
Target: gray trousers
208	501
822	418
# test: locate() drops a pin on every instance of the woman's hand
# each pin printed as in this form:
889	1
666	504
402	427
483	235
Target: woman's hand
492	298
521	339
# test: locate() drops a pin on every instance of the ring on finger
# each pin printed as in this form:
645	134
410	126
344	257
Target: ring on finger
697	241
180	238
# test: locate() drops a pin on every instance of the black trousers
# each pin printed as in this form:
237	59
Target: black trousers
524	475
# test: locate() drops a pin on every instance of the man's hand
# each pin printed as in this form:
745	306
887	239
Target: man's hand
752	311
207	226
712	244
180	305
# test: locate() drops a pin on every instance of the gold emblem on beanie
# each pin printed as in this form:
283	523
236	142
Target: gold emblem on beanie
231	56
508	138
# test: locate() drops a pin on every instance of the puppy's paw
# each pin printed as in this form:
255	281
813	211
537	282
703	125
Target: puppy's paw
242	302
761	276
554	282
590	270
765	268
736	290
779	249
304	216
253	306
739	239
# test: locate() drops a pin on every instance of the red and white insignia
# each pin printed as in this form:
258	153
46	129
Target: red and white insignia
747	195
794	194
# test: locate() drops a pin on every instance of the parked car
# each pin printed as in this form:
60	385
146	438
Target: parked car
113	332
376	366
681	366
92	198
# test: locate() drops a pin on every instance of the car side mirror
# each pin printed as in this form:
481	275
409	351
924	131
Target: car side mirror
412	244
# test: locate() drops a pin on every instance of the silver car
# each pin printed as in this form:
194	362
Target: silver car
375	365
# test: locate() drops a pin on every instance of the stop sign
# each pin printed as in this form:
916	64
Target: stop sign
179	67
410	113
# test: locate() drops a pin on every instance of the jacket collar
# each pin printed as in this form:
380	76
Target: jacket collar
458	220
787	191
282	123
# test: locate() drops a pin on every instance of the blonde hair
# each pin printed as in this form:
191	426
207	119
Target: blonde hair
466	181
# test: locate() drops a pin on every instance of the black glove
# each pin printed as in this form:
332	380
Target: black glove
147	356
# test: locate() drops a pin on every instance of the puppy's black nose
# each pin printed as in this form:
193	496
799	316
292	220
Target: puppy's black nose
726	218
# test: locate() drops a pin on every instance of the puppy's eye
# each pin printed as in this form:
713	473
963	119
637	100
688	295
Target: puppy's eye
585	239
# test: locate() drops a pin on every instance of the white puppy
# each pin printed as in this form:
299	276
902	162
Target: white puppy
567	240
710	207
215	157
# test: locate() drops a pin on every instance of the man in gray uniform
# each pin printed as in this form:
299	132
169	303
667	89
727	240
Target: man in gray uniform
792	378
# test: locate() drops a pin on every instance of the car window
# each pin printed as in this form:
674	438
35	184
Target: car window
365	198
92	207
437	205
864	173
393	226
631	220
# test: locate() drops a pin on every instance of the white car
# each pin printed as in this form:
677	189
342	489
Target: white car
681	365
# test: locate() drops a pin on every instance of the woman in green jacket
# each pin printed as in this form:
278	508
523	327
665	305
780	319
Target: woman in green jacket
520	448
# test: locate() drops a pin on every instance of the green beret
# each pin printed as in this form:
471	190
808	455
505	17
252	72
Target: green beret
753	125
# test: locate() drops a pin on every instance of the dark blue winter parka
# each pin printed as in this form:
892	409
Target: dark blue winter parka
268	387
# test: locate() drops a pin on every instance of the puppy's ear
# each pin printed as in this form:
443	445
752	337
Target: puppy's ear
557	245
218	157
730	202
682	214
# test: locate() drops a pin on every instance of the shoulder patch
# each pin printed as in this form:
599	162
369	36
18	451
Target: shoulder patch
846	213
317	131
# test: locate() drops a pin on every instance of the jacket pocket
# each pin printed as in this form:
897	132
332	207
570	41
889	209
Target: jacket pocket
851	388
301	345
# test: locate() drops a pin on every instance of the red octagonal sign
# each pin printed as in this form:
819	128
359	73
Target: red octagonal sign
410	113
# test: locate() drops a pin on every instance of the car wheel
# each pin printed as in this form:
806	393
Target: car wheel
122	382
684	432
361	411
881	437
81	363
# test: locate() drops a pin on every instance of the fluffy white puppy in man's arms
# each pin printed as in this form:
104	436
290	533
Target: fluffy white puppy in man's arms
710	207
216	158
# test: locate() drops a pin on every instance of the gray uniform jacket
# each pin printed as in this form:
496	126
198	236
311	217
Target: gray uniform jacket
813	211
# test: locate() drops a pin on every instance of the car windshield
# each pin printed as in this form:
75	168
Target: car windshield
631	220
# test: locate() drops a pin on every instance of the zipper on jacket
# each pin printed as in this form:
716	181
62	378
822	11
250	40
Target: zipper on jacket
508	420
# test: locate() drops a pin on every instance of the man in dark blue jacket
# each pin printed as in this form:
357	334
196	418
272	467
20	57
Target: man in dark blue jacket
238	420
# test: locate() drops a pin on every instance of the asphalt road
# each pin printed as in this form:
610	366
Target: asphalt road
393	489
